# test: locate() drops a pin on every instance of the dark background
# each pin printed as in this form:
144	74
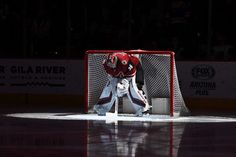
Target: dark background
194	29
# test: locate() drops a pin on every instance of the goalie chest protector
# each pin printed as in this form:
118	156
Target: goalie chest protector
126	66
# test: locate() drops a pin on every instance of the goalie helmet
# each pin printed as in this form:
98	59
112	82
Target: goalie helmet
117	58
111	60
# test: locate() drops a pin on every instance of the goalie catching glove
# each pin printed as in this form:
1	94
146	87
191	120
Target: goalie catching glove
122	87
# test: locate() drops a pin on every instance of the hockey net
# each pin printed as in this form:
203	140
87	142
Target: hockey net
161	82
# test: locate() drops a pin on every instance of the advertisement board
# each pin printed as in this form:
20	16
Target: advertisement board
41	76
207	79
197	79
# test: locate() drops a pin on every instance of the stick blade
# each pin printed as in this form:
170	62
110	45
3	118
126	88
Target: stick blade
111	118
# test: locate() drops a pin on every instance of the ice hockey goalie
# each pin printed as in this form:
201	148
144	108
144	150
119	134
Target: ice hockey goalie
125	77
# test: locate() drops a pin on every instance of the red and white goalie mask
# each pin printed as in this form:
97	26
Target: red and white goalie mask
112	60
117	58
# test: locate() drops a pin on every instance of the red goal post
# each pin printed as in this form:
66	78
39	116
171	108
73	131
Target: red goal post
161	81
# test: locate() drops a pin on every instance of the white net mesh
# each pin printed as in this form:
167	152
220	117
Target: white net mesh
157	75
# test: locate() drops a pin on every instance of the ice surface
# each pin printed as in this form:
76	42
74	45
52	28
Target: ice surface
109	118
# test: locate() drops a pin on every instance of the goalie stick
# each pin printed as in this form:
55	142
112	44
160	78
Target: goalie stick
115	114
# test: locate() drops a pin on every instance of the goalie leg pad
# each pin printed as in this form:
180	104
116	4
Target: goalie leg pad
122	87
137	98
107	98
